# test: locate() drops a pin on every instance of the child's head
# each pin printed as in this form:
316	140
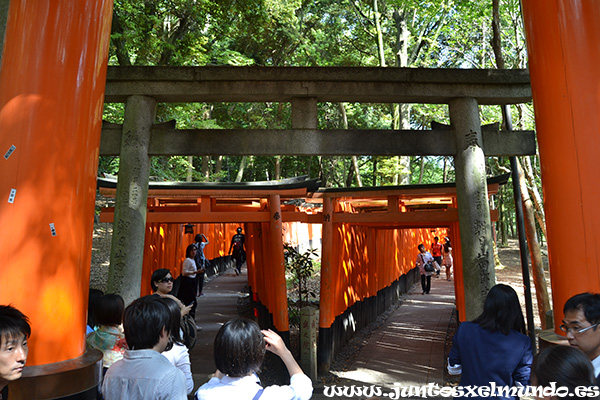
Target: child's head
239	348
109	310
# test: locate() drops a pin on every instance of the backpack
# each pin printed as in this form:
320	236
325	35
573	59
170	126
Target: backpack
190	333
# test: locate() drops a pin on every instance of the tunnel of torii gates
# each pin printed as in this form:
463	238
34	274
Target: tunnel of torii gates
369	238
52	92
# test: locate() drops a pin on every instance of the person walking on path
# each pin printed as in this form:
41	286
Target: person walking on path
493	348
447	260
238	248
201	261
424	259
436	252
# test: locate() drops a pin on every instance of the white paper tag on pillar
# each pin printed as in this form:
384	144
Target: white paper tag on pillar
11	196
52	229
10	151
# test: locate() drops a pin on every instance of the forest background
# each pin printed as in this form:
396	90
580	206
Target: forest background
372	33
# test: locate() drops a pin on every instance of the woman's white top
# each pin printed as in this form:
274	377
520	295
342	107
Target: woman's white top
179	356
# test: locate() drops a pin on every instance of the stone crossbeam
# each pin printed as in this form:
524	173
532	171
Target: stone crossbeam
325	84
306	142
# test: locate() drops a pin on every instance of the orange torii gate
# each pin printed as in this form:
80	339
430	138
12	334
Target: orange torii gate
369	242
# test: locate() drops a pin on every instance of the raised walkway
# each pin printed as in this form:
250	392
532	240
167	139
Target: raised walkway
406	351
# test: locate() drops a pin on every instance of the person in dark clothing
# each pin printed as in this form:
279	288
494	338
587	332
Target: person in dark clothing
238	250
493	347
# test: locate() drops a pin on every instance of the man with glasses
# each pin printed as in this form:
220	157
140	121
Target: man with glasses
582	317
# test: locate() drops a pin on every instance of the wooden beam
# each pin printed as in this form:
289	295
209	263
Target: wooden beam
303	142
447	216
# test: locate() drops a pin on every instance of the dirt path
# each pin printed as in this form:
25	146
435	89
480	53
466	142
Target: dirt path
512	275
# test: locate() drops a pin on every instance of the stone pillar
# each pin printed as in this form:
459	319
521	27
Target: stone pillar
309	322
3	19
129	227
304	113
473	207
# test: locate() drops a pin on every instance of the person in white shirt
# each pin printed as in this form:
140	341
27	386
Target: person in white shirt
143	373
424	258
187	289
176	352
239	350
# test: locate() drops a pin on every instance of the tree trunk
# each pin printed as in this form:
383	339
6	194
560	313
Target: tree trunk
422	169
537	266
190	168
206	168
401	116
344	118
539	280
377	16
240	174
533	191
277	173
219	167
374	170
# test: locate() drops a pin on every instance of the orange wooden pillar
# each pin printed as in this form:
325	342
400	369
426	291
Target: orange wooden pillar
279	307
52	86
327	294
563	42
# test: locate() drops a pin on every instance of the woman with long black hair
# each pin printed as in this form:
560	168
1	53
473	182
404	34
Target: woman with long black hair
493	347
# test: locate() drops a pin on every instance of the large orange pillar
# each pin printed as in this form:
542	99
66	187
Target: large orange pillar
563	43
328	292
51	99
280	310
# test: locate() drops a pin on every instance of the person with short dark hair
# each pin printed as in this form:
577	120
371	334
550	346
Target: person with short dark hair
493	347
93	297
239	350
424	258
108	335
187	289
567	366
14	333
144	373
582	317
